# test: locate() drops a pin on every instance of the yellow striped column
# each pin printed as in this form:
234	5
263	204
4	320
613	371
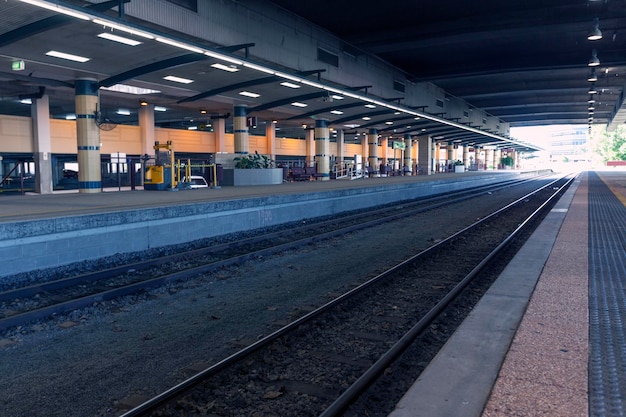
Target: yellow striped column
372	140
322	148
240	129
88	135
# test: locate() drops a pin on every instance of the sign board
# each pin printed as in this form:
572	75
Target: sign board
399	145
18	65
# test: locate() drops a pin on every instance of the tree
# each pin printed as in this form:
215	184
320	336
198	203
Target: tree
609	146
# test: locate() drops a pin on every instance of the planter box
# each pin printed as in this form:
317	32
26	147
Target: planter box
237	177
459	168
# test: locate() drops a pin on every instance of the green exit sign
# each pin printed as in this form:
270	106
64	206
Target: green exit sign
18	65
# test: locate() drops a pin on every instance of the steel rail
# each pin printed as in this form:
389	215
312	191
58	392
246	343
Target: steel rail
133	288
175	391
349	396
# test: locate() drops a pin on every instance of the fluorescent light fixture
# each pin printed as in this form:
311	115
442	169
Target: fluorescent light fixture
288	77
336	112
312	83
26	101
69	57
123	112
160	108
129	89
226	68
70	117
337	97
298	104
258	68
178	79
249	94
180	45
389	123
119	39
223	57
123	28
290	85
370	106
366	118
192	128
55	8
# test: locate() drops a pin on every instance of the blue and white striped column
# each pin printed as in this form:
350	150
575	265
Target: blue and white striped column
372	141
240	129
322	148
88	135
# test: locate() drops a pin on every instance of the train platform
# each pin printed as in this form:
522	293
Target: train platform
46	231
548	337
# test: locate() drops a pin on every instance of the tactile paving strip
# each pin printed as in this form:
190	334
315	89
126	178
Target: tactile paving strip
607	301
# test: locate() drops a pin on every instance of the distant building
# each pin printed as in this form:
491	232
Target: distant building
569	145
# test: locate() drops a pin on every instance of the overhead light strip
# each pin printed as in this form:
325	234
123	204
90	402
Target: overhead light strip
57	8
236	61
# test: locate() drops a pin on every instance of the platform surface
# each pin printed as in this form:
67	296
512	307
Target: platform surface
547	339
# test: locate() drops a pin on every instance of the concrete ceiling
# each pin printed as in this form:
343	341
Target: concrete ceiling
524	62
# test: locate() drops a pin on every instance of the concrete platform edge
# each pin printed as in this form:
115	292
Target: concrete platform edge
460	378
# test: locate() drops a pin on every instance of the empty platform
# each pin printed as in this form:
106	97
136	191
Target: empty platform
547	339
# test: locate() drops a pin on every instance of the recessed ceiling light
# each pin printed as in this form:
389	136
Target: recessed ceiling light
227	68
249	94
298	104
119	39
69	57
129	89
336	112
178	79
290	85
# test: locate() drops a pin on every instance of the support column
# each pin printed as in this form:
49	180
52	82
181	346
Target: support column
219	128
88	135
450	154
365	149
424	156
341	152
408	151
240	129
466	160
40	113
372	141
270	135
497	158
384	147
489	159
322	148
310	147
437	156
146	129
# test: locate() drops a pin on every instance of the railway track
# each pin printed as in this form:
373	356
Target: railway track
20	306
321	363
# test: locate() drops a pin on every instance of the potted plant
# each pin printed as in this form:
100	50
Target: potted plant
459	166
507	162
252	169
